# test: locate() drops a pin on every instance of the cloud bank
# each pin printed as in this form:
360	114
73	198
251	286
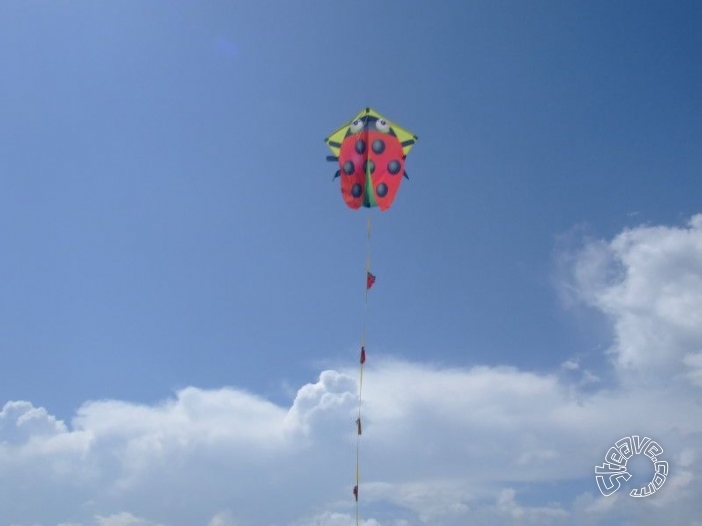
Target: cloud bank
441	445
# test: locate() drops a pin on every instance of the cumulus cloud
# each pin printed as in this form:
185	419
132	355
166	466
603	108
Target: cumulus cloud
441	445
20	421
648	281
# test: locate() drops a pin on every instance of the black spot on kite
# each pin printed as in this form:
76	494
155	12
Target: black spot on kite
356	190
378	146
368	165
394	167
360	146
349	168
381	190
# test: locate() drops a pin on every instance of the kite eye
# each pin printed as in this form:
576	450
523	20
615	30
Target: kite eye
357	125
382	125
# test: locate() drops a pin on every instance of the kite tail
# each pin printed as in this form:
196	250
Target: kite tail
370	280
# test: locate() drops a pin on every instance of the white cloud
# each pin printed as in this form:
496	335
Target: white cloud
441	446
122	519
330	518
648	281
20	421
223	518
572	364
507	505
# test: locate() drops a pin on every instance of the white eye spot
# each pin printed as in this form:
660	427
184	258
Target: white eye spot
357	125
382	125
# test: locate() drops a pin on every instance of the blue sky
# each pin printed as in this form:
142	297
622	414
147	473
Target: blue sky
170	227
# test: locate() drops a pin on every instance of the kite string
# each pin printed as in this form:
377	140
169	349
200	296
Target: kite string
362	361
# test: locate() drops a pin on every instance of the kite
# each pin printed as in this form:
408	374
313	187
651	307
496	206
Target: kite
371	153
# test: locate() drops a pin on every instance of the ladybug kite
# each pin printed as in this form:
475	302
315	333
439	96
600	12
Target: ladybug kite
371	153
